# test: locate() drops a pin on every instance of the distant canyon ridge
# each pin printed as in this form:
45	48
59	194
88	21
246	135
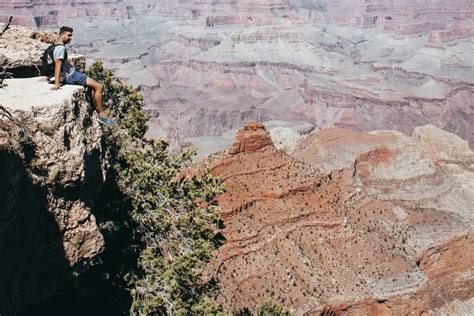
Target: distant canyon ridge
206	67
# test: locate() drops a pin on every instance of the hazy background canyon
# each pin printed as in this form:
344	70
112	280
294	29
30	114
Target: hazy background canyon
206	67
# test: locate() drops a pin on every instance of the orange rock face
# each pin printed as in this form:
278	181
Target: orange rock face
252	137
353	223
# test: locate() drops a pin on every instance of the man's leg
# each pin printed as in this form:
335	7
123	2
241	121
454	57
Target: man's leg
96	95
78	78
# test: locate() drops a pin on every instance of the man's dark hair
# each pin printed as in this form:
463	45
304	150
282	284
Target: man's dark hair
65	29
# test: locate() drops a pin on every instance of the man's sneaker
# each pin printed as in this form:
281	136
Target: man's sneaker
106	121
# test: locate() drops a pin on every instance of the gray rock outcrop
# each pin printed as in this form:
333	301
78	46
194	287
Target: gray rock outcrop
53	165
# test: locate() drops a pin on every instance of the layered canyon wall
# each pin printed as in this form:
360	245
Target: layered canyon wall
401	17
206	67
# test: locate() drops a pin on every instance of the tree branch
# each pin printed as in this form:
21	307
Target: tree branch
7	26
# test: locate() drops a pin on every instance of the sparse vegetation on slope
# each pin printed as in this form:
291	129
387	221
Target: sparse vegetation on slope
266	309
174	220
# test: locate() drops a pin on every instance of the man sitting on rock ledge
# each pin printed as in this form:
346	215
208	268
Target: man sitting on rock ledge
65	73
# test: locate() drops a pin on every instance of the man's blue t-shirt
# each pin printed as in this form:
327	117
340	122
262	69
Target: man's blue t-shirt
59	53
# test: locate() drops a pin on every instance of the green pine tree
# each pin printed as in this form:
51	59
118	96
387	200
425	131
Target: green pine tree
175	234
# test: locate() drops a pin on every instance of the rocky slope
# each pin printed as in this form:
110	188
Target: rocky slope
350	222
53	167
206	67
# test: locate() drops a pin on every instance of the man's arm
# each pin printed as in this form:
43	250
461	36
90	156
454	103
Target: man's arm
57	72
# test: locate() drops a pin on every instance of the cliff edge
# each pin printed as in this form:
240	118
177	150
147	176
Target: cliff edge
53	165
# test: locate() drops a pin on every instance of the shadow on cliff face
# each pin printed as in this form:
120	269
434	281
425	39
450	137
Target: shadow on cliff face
33	262
35	277
101	290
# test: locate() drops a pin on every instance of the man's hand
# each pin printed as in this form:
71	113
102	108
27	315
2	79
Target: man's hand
56	87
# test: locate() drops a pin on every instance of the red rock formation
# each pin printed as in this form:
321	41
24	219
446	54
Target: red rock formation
446	266
379	232
250	138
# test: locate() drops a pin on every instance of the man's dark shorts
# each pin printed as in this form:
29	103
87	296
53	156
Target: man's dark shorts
76	78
